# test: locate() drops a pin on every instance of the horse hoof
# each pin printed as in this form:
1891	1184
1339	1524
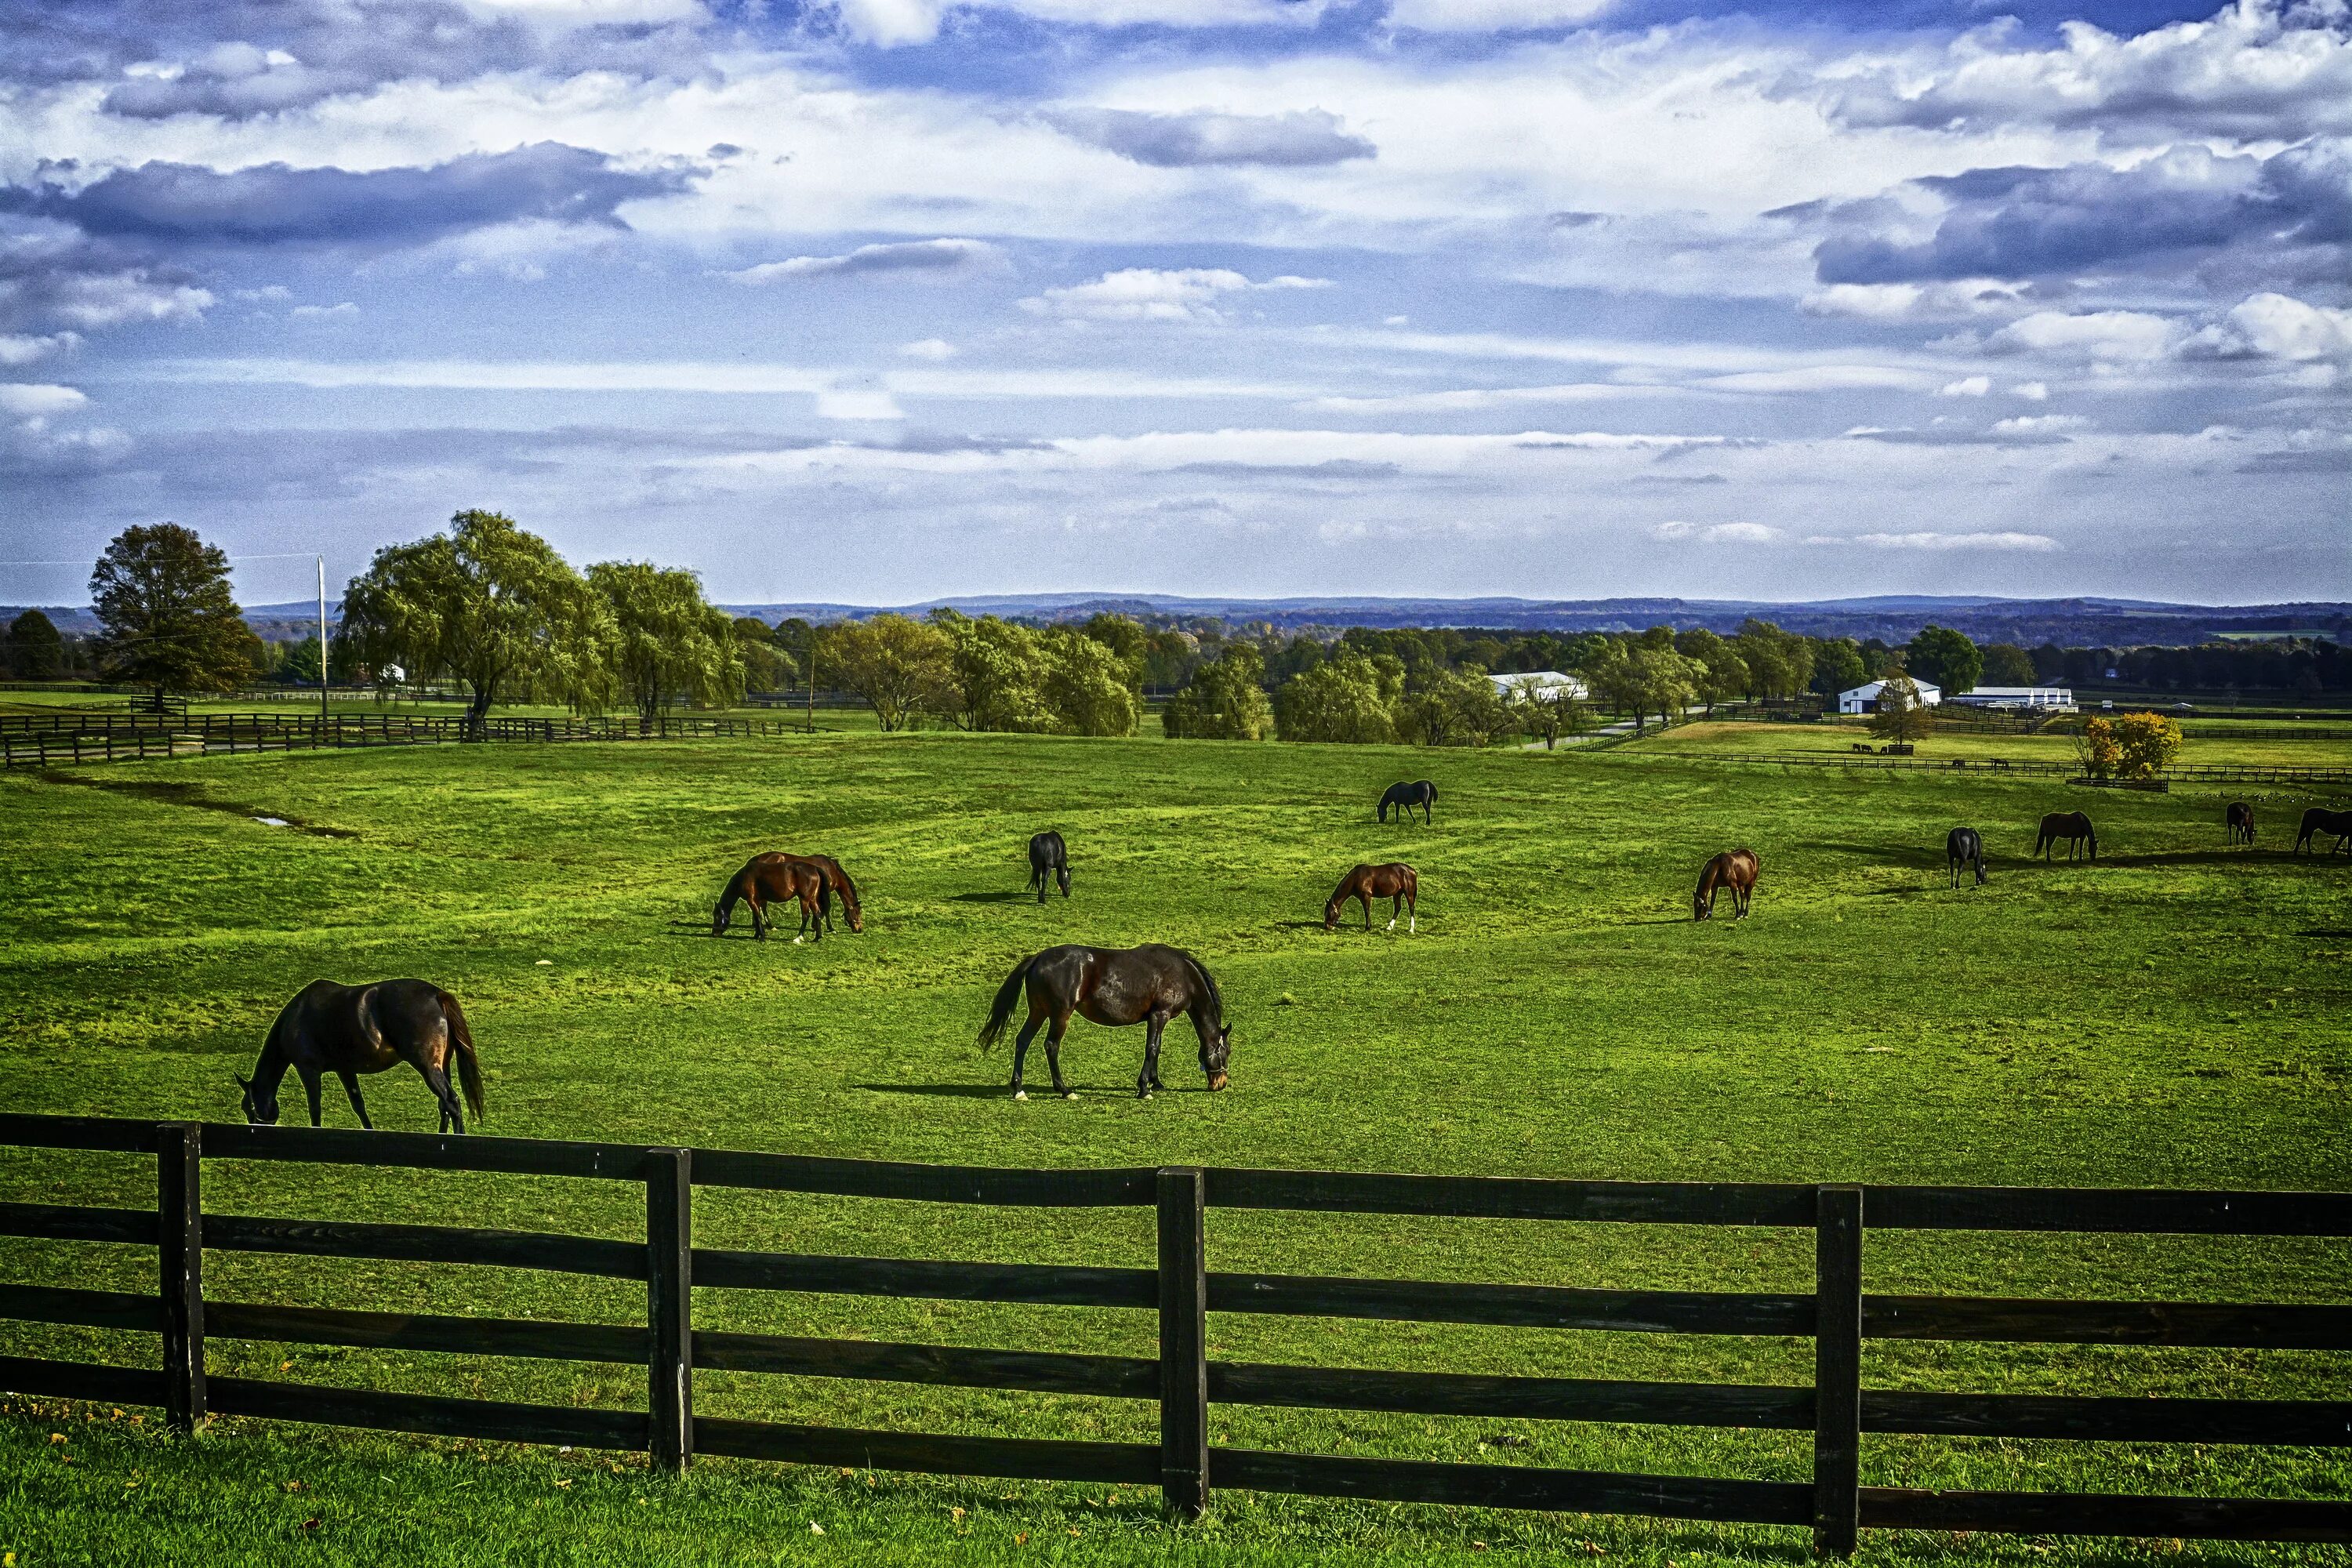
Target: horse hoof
798	940
1020	1094
1069	1094
1145	1095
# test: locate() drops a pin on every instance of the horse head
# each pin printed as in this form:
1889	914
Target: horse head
1331	914
1216	1050
722	917
261	1109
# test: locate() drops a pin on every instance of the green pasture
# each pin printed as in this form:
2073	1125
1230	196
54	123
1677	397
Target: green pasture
2275	745
2174	1015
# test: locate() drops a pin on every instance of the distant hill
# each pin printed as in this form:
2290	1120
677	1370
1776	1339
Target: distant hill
2089	622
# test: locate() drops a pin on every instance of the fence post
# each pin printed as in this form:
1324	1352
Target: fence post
1837	1369
180	1252
1184	1343
670	1305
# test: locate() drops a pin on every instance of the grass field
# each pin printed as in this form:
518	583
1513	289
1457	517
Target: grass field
2273	745
2174	1015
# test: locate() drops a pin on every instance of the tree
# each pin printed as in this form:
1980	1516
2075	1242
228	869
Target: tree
1838	666
2146	743
1351	699
1548	712
669	643
1225	702
998	674
1126	637
1721	670
1087	690
488	604
766	665
2006	664
899	668
165	614
2095	750
1901	715
1456	707
1779	663
1945	658
36	650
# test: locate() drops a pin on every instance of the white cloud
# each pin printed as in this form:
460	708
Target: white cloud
1152	294
893	23
35	400
2032	391
1493	15
1914	301
1826	378
2027	542
1967	386
1718	532
857	403
2279	327
2040	425
928	347
24	348
313	312
2107	336
918	257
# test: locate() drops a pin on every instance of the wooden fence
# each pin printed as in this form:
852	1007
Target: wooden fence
1182	1290
43	740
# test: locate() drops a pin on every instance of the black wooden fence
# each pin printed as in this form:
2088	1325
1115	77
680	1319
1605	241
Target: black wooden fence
1837	1315
42	739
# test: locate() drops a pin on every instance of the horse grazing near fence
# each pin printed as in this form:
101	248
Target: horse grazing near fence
2073	827
1114	986
2239	820
351	1029
1405	796
1963	848
2319	819
1395	881
1049	858
769	878
1735	870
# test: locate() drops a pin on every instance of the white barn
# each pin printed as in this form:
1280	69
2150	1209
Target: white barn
2052	699
1864	698
1541	681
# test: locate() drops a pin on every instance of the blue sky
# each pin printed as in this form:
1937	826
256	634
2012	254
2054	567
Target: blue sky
883	299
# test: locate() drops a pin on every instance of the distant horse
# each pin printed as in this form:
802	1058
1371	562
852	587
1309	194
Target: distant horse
1405	796
1049	858
1964	848
766	879
1394	881
1735	870
351	1029
2319	819
2073	827
1116	986
2240	818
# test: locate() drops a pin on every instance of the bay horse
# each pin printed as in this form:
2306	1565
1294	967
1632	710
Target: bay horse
2239	820
1405	796
768	879
837	884
1049	859
2073	827
1735	870
1114	986
1395	881
351	1029
1963	848
2319	819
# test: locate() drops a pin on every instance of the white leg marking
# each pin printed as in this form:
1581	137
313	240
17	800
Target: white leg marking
1411	924
1391	925
1020	1094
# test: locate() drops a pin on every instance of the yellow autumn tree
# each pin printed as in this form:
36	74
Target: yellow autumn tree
2146	745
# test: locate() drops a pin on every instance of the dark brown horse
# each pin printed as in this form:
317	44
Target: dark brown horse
1405	796
1964	848
2319	819
1735	870
1394	881
2074	827
1049	861
2240	819
1115	986
770	879
837	885
351	1029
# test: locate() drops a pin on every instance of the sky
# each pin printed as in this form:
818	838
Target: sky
880	301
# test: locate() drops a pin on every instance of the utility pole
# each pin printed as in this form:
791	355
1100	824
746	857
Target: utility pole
812	680
322	638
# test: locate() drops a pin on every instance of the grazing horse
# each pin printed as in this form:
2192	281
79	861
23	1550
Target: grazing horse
766	879
2319	819
2073	827
351	1029
838	885
1049	859
1964	848
1116	986
2240	818
1405	796
1735	870
1395	881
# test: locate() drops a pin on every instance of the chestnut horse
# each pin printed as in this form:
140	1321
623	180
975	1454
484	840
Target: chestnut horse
2240	819
2319	819
1394	881
1735	870
1963	848
2073	827
1116	986
837	884
766	878
351	1029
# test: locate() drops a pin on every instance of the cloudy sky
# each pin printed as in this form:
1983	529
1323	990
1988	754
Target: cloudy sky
879	300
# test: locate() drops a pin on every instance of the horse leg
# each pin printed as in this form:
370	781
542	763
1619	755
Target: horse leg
311	1088
1054	1055
1396	908
352	1089
759	916
1150	1073
436	1079
1021	1051
1412	913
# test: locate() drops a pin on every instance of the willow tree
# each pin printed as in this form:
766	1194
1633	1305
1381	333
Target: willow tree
670	644
488	604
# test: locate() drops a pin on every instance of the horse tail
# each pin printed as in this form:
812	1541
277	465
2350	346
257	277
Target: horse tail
469	1066
1001	1013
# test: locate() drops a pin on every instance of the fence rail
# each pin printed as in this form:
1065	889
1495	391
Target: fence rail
1838	1315
43	740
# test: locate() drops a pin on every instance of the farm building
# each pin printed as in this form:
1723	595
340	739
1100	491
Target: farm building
1545	681
2053	699
1864	698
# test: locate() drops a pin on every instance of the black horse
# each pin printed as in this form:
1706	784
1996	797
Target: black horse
351	1029
1964	848
2319	819
2239	818
1148	984
1405	796
1049	858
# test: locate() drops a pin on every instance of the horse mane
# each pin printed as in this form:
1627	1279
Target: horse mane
1209	982
848	887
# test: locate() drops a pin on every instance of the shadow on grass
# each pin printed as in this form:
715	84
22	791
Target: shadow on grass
1001	897
1124	1090
2325	934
